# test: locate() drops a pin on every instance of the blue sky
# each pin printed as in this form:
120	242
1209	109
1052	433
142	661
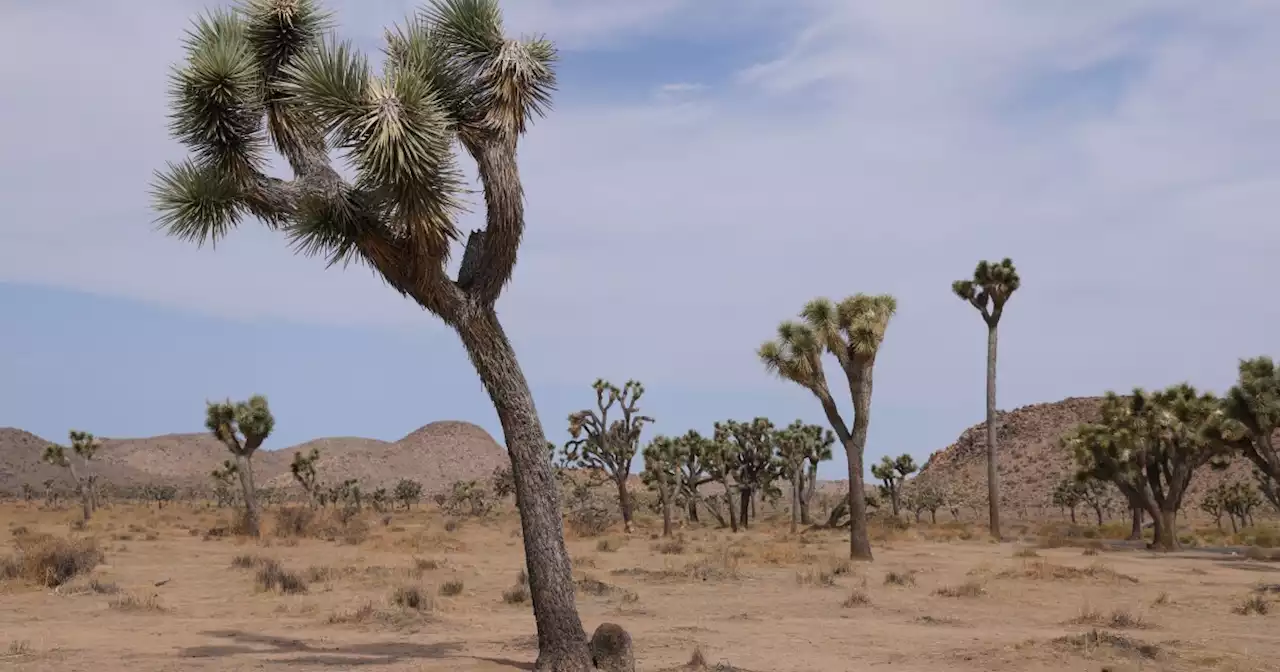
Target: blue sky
710	165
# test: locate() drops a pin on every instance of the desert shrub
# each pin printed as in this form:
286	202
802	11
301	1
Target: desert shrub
19	531
589	520
412	597
673	547
815	577
248	561
451	525
134	602
1261	554
1254	604
607	545
858	598
1123	618
966	589
294	521
896	578
516	595
1026	553
451	588
273	577
426	564
50	561
467	498
1089	551
103	587
1161	600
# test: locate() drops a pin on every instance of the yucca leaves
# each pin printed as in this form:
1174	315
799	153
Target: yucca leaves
265	72
990	289
242	426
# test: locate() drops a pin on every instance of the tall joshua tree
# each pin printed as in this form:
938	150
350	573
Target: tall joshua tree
852	332
663	458
800	448
893	472
693	471
242	426
84	446
988	291
609	447
262	75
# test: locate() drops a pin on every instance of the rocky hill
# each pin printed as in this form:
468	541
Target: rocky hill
1031	459
436	455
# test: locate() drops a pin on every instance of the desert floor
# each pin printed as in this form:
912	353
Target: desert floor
762	600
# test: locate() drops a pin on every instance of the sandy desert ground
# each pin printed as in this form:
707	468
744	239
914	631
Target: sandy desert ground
168	598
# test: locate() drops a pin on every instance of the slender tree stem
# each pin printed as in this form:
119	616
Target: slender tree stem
993	475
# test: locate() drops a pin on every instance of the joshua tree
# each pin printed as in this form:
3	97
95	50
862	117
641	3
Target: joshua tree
262	75
720	458
988	291
84	446
800	448
1066	495
242	427
407	492
893	472
1214	503
1150	446
663	458
380	499
303	469
605	447
925	497
753	468
852	331
1251	414
1097	495
1239	500
693	473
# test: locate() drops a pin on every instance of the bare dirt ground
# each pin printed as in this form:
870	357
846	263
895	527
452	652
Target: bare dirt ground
762	601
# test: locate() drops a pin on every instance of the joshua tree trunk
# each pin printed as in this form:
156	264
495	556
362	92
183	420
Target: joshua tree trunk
732	506
859	539
693	510
1098	511
1167	531
562	642
252	514
1135	533
797	478
993	477
624	501
1073	515
744	501
809	483
1234	529
667	505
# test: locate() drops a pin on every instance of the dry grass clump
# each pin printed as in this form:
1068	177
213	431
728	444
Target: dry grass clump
1042	570
1095	639
19	647
858	598
816	577
272	577
426	564
592	586
608	545
672	547
900	578
1026	553
134	602
451	588
102	587
1161	600
249	561
50	561
516	595
966	589
1254	604
413	597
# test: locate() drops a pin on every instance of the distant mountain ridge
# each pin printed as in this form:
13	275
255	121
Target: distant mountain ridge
436	455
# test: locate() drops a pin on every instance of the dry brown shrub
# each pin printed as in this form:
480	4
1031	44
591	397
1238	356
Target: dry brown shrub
50	561
135	602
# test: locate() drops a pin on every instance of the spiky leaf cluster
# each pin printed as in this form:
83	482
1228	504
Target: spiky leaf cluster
799	444
991	287
753	445
241	426
851	330
303	468
663	459
894	469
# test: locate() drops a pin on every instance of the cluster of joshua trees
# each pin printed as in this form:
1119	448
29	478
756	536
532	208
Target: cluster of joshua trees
263	75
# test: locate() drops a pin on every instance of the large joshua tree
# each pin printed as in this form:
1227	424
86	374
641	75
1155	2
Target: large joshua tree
852	331
988	291
754	467
83	446
1250	416
608	447
663	458
1150	445
242	426
262	75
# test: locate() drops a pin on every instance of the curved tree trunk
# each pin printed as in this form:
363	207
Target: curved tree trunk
993	476
1135	533
562	642
252	514
693	510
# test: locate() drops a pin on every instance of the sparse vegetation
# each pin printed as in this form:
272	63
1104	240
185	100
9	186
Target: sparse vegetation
272	577
50	561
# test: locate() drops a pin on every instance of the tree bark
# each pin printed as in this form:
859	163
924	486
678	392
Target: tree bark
1135	533
1098	511
252	514
861	385
744	502
693	510
667	504
1167	531
562	642
809	483
732	506
624	501
797	478
993	476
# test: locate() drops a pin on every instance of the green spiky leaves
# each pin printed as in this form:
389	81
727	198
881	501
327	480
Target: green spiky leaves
852	330
242	426
991	287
